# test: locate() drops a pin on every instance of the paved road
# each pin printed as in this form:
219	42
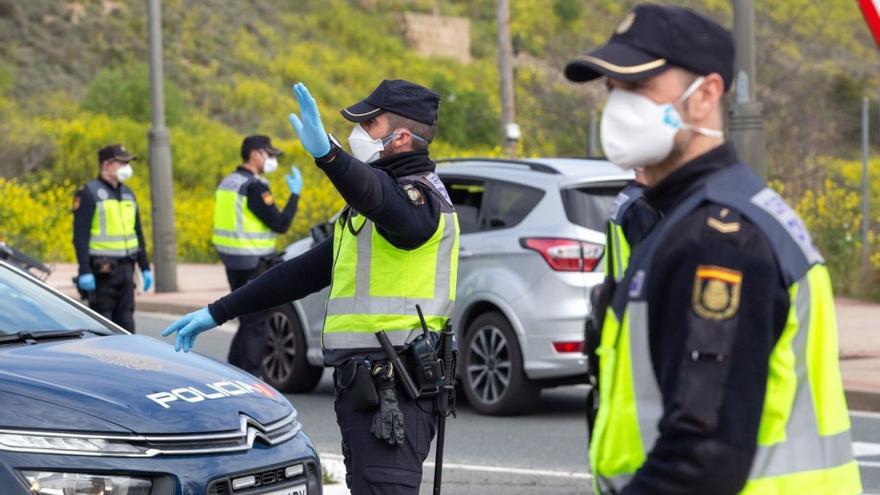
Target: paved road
543	453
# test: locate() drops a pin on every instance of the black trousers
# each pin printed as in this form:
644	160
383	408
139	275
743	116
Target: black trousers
249	344
372	466
114	294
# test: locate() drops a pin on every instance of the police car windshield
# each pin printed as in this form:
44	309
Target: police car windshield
27	307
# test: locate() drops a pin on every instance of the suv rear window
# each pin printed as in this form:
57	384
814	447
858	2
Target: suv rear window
590	207
509	203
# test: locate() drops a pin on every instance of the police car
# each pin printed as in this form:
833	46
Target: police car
87	408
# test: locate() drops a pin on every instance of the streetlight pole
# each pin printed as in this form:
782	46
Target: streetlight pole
510	132
746	114
161	192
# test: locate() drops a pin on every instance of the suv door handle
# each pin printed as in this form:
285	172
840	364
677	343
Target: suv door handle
464	253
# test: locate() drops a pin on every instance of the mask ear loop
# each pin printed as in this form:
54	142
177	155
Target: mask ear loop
687	94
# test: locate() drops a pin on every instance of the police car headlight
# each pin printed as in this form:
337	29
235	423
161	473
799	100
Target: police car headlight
49	483
67	445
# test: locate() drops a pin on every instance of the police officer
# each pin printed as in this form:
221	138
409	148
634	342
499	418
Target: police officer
718	359
246	221
108	238
394	245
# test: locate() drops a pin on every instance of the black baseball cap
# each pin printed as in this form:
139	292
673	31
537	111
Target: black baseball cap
258	142
653	38
396	96
115	152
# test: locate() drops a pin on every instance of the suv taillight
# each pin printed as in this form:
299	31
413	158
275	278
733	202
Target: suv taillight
566	255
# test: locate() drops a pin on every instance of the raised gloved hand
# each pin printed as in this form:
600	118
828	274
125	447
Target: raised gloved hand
189	327
148	279
388	420
86	282
310	129
294	181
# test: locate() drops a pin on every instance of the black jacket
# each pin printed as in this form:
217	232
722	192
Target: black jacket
711	407
375	191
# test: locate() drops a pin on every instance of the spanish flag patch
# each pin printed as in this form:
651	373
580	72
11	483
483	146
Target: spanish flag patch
716	292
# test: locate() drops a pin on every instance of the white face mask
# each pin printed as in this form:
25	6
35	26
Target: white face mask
637	132
270	165
124	172
364	147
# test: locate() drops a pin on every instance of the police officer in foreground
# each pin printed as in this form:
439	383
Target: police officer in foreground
246	221
108	238
394	245
718	360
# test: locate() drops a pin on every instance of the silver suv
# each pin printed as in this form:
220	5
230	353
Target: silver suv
532	238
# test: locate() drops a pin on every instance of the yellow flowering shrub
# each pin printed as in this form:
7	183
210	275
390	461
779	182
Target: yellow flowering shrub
36	218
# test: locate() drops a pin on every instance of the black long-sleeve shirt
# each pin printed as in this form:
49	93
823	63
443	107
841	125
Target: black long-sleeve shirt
262	204
373	191
83	211
711	408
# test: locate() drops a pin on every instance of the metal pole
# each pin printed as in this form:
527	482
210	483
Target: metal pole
866	122
161	191
746	114
505	66
594	136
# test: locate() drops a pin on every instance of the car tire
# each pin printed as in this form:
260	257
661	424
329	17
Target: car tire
285	366
492	375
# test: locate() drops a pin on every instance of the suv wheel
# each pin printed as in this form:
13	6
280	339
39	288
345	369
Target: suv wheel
493	377
285	366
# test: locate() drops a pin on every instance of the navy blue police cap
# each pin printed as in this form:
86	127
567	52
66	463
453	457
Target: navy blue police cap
115	152
653	38
396	96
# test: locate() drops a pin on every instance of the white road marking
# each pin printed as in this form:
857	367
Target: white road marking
865	449
546	473
865	414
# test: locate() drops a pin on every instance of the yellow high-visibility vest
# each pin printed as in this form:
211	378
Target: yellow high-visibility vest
113	222
376	286
237	231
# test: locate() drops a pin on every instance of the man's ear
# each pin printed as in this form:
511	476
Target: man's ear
706	98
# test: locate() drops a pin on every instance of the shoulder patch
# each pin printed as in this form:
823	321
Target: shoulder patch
414	194
771	202
268	199
76	203
102	194
716	292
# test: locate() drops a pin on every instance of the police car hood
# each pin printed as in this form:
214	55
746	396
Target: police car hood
128	383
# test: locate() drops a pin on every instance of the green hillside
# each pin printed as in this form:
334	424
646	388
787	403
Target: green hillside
73	77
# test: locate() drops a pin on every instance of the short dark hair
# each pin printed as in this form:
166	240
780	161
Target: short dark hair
424	131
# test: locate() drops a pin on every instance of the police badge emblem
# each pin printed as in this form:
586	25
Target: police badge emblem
716	292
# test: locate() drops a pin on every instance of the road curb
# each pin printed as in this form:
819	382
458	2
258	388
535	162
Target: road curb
172	308
863	400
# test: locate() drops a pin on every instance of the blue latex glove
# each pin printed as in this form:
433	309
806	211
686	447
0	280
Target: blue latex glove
189	327
86	282
148	279
310	129
294	181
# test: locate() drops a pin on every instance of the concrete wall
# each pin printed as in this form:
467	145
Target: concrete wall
444	36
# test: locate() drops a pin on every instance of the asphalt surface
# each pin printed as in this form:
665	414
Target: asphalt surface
542	453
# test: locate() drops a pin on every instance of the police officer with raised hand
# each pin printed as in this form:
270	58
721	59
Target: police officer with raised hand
108	238
394	245
718	357
246	222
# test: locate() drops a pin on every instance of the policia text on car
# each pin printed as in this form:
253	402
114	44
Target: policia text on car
394	246
108	238
718	360
245	225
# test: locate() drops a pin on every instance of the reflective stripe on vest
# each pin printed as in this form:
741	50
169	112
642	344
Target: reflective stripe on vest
616	251
237	231
113	222
804	441
376	285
